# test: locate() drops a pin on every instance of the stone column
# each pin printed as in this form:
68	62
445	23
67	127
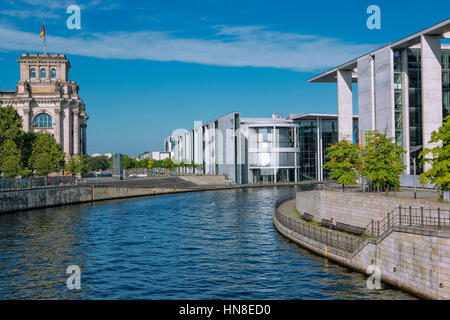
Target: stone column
26	119
76	132
84	139
57	124
67	132
431	89
345	104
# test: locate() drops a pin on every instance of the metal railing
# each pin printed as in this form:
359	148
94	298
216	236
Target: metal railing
425	219
7	184
320	234
431	219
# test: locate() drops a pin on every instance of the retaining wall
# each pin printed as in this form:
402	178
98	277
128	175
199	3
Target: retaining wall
421	261
356	209
53	196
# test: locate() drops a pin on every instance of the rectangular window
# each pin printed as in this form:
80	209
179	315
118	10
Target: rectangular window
445	79
446	104
445	57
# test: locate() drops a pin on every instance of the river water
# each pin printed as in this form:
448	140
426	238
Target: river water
206	245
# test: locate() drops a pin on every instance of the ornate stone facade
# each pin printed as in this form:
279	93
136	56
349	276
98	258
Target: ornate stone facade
48	101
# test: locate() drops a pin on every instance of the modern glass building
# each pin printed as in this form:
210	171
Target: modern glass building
403	90
261	150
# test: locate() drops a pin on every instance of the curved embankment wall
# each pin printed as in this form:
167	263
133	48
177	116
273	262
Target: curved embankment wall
415	260
356	209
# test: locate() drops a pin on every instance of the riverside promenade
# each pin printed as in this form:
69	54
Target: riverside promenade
92	190
409	244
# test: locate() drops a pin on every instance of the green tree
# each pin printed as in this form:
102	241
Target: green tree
343	161
72	166
46	155
100	163
10	159
439	174
129	163
168	164
78	165
25	145
194	166
382	161
151	163
10	124
142	163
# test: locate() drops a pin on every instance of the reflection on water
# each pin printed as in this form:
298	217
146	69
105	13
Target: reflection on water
210	245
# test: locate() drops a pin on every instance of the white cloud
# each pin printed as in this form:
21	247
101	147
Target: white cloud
27	14
238	46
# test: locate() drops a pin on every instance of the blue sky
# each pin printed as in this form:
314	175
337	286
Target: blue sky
146	68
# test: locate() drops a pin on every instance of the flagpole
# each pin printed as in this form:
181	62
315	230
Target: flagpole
45	48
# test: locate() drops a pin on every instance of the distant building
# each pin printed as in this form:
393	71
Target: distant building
253	150
48	102
143	156
169	144
158	155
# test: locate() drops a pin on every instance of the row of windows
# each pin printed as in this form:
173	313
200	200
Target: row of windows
43	73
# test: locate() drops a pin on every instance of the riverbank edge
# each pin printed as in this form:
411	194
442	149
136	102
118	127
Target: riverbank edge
320	250
149	192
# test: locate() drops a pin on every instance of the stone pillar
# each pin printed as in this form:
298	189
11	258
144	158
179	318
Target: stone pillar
67	132
26	119
345	104
384	92
57	125
84	139
76	132
431	89
366	96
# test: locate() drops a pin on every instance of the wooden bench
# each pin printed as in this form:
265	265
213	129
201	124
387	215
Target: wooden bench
344	227
308	217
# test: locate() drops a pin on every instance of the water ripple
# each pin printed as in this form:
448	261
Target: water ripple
210	245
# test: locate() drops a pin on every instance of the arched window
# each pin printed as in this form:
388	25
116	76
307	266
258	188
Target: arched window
43	73
43	120
32	73
53	73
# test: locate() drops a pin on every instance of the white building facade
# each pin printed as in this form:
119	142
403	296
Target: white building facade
260	150
403	90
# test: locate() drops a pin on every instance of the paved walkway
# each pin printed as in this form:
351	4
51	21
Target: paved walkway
403	192
288	209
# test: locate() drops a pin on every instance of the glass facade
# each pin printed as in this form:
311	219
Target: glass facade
415	106
307	142
268	159
415	98
329	137
284	137
398	98
445	83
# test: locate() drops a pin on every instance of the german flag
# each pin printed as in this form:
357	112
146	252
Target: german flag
42	31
